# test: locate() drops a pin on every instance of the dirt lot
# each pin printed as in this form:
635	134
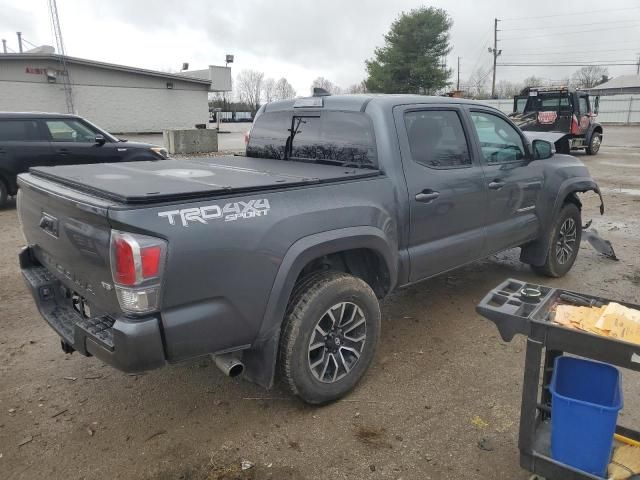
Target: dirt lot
442	382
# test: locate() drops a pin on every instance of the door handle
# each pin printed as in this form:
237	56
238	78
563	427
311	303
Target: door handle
427	196
63	151
496	184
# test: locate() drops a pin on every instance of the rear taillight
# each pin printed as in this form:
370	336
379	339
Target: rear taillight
137	262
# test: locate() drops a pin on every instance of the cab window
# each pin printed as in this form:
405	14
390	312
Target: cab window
499	141
584	105
437	139
69	130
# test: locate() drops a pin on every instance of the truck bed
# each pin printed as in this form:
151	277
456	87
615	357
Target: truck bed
167	180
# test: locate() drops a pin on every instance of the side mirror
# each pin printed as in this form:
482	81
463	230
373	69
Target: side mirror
542	149
596	105
100	140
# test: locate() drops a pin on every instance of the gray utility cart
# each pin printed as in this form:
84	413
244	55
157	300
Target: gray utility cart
514	314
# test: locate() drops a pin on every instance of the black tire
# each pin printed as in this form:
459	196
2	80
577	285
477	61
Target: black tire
351	301
594	144
563	147
566	235
4	194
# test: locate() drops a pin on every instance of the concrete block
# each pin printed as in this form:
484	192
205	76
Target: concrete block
191	141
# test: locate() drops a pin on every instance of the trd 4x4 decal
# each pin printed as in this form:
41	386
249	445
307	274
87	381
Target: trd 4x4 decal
229	212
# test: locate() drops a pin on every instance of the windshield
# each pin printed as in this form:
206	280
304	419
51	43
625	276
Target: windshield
552	101
520	104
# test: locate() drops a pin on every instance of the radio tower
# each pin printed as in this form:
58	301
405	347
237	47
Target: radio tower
66	81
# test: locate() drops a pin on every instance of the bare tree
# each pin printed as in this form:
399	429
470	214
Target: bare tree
507	89
269	90
590	76
360	87
284	90
249	87
326	84
477	83
533	81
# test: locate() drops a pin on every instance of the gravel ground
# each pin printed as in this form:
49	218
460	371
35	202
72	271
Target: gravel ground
442	381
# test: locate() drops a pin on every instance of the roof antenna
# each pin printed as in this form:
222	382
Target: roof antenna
320	92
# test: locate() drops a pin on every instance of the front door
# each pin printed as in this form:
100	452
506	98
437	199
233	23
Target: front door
447	196
583	114
74	142
513	181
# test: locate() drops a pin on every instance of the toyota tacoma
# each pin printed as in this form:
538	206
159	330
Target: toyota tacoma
274	262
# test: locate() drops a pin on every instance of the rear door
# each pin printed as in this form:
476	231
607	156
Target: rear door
22	145
513	182
74	142
447	195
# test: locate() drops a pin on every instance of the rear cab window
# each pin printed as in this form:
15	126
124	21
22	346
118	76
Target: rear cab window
437	139
19	130
549	101
330	137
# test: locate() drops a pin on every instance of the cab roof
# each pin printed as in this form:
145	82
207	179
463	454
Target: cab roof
359	102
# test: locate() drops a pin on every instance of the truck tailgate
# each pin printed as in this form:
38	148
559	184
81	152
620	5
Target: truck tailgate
172	180
69	234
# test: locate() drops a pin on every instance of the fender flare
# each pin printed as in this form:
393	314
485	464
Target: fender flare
592	128
536	251
260	359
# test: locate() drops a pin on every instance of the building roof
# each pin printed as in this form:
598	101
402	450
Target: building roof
108	66
623	81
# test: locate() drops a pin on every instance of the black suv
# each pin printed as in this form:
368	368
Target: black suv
46	139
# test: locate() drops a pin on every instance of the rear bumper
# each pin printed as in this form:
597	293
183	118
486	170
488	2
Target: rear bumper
130	345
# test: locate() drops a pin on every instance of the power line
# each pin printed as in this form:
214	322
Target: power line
541	27
519	54
572	14
566	64
569	33
617	42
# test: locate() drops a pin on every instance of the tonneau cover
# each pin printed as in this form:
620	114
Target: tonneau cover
150	182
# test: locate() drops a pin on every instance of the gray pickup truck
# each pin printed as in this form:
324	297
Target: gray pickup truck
275	262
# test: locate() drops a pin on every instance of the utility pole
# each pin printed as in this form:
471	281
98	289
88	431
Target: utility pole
458	85
19	41
637	69
4	45
62	56
496	53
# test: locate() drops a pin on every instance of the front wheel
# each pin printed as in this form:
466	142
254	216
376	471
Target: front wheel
564	243
594	144
329	336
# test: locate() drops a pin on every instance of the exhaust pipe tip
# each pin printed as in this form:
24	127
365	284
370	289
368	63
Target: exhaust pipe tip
229	365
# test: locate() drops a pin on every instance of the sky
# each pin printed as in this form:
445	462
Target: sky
302	40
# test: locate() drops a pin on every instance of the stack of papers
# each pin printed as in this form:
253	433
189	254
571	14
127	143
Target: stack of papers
612	320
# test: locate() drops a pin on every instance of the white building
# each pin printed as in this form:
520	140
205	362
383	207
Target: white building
117	98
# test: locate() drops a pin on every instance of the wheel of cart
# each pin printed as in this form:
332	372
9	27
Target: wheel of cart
516	313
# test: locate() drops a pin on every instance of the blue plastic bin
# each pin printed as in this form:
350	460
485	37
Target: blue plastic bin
585	400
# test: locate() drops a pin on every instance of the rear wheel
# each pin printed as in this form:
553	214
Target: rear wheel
594	144
564	243
329	336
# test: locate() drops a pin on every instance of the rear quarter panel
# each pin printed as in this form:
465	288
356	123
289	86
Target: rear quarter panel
220	274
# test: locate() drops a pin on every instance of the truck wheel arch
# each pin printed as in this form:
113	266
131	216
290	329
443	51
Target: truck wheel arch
260	359
595	128
535	252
